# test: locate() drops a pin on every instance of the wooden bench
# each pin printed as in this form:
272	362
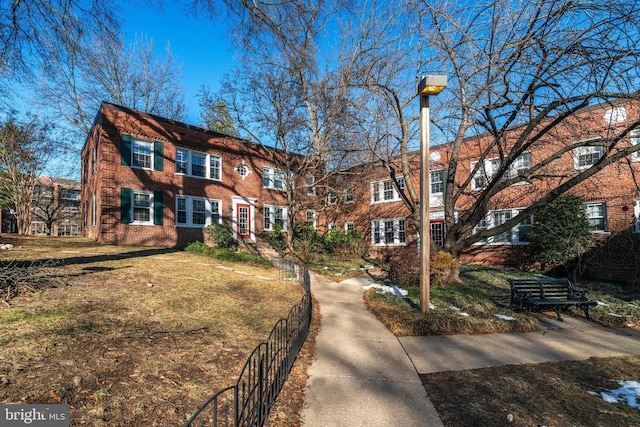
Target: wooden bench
548	294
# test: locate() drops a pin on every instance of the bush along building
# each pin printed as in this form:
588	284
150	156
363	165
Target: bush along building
151	181
378	203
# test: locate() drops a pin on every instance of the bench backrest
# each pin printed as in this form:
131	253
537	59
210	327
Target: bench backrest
542	288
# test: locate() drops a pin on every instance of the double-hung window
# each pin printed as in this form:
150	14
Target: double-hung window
274	216
385	191
348	196
273	178
437	181
499	218
635	140
311	218
586	156
310	185
597	216
489	168
197	164
142	207
388	232
197	212
480	179
517	235
142	154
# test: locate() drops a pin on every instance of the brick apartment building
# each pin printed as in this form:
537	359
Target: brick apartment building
612	196
151	181
54	211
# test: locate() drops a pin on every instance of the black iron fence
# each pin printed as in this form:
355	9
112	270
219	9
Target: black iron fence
249	400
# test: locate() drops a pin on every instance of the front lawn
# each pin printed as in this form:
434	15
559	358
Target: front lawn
480	304
132	336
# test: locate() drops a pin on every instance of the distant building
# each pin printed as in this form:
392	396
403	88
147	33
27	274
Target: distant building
56	207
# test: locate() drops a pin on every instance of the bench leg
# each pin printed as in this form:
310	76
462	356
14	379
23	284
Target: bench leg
586	313
559	317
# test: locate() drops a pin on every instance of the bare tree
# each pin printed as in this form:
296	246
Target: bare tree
25	149
281	96
80	72
523	75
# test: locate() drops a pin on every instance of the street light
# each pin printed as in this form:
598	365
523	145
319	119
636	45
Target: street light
429	85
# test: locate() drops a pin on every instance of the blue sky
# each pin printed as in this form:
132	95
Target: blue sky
199	44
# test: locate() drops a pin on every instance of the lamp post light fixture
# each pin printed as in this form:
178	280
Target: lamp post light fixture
428	85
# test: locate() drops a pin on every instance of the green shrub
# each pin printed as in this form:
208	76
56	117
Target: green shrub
307	241
345	244
560	232
221	235
226	254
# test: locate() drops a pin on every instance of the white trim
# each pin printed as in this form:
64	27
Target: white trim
379	226
240	200
209	213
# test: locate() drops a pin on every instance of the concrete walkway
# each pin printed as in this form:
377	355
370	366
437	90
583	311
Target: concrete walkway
363	375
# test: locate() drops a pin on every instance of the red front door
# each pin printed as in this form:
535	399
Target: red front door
244	221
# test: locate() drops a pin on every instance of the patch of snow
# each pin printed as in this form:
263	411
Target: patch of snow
601	303
628	393
503	317
399	292
615	315
6	247
432	307
463	314
453	307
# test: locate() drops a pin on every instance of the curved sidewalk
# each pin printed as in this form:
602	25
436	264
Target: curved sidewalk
361	375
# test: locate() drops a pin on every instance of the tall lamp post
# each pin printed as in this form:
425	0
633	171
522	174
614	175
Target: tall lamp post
429	85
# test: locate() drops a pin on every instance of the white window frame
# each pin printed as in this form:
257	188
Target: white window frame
269	217
38	228
586	150
602	207
148	206
635	140
437	184
384	191
332	197
212	170
270	177
509	237
349	196
332	226
381	234
140	148
212	211
311	218
349	226
310	183
490	166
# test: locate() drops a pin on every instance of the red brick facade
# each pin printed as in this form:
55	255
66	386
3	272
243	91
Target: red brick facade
613	194
134	194
364	199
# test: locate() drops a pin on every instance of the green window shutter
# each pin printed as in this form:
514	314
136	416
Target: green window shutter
158	157
157	208
125	150
125	205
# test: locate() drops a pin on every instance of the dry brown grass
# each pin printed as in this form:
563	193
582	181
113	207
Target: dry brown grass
137	336
551	394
